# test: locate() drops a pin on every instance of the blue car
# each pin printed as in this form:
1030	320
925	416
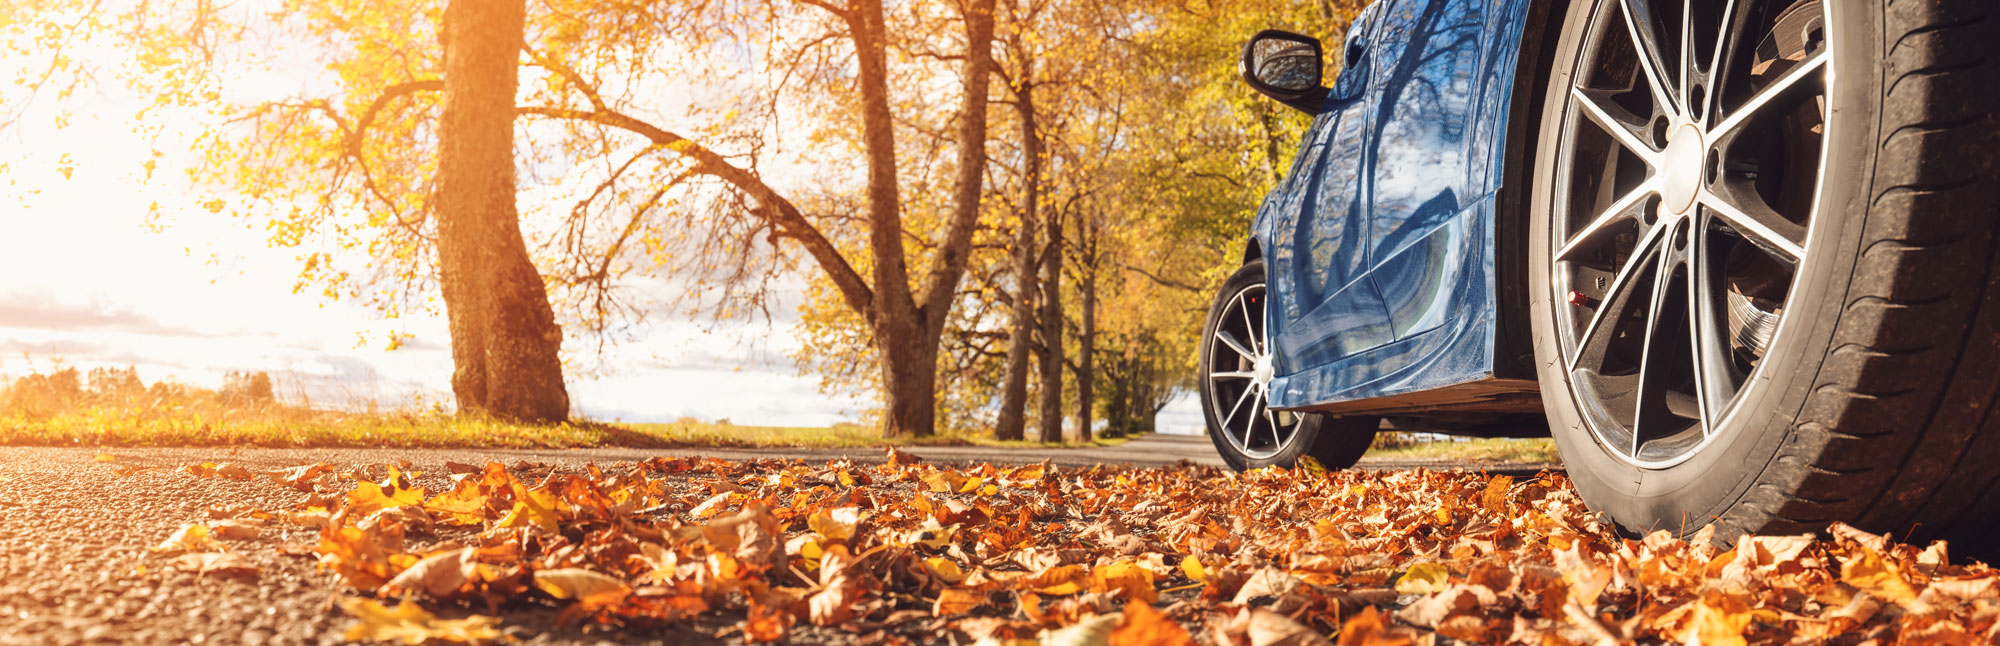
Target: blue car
1737	256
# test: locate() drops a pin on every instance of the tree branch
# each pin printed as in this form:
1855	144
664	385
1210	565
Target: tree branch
785	217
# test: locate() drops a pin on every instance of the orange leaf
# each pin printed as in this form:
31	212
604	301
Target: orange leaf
1145	626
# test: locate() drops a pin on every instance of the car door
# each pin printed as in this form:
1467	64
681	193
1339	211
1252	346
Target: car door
1324	307
1425	93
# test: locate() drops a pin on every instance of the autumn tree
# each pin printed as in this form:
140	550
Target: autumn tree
504	339
410	153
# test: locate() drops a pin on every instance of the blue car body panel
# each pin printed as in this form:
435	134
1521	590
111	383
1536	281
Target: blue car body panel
1379	244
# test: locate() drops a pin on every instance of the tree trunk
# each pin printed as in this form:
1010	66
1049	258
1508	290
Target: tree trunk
1086	346
1021	331
894	316
1049	410
1020	338
909	380
505	344
970	185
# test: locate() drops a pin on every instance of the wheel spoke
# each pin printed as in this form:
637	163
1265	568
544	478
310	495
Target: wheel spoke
1769	95
1239	374
1761	225
1711	352
1232	414
1615	296
1687	70
1623	208
1230	340
1645	36
1621	124
1249	328
1718	62
1650	360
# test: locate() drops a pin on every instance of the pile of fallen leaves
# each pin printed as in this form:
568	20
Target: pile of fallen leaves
906	552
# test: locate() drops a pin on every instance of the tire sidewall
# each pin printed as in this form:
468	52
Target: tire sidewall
1713	483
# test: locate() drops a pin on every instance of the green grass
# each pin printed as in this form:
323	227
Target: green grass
304	428
1475	450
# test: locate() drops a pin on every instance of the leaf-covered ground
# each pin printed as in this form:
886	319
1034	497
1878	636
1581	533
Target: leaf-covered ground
911	552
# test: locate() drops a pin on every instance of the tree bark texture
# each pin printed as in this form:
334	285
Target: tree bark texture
505	343
1012	424
907	330
1020	336
1086	342
1048	410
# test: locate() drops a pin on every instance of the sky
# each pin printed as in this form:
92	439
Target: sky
87	280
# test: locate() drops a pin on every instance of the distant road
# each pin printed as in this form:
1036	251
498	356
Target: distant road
1145	451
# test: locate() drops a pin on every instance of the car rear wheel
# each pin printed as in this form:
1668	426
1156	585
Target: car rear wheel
1236	367
1763	247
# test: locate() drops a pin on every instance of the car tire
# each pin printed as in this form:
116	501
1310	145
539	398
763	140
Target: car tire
1233	345
1873	401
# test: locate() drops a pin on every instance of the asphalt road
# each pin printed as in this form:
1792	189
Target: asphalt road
75	567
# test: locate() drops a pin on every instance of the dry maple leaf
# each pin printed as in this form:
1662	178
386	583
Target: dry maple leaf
465	504
1145	626
192	537
1093	631
1268	628
591	590
1424	578
439	575
235	530
410	624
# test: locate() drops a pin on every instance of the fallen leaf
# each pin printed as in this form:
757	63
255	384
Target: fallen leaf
1423	578
836	524
192	537
1268	628
411	625
438	575
957	601
589	589
1145	626
1094	631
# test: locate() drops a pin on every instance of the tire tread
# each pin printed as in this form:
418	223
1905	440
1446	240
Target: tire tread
1898	430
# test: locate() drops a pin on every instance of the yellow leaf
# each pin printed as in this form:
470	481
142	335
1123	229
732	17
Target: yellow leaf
531	507
192	537
1423	578
836	524
945	568
1869	571
957	601
1495	498
105	457
1311	466
1135	581
409	624
588	588
1192	566
1058	580
463	505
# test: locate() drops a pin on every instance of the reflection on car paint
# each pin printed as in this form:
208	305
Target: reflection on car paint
1379	244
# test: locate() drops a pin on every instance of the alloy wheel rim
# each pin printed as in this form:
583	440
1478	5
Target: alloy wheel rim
1241	366
1689	168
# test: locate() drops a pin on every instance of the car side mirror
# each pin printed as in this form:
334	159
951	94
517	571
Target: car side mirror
1285	66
